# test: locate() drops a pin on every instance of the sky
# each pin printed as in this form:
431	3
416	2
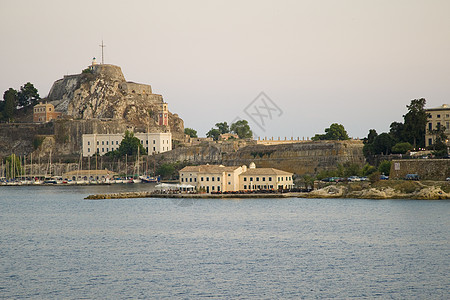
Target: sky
291	68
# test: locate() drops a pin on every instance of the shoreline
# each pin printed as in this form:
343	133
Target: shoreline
310	195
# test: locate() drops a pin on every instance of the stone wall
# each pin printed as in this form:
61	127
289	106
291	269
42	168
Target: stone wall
427	169
300	158
18	138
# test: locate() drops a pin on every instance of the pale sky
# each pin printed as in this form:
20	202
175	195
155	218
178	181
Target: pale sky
353	62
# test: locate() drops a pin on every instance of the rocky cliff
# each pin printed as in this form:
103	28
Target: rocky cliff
101	92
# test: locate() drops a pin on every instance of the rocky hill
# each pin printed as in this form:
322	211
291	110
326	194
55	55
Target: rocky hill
101	92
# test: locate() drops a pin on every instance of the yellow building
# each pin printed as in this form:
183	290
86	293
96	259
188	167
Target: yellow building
212	178
265	179
219	178
45	112
437	116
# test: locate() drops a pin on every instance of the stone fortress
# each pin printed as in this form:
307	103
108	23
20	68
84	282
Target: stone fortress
101	92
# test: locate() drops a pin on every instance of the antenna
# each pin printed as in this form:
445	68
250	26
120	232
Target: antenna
103	46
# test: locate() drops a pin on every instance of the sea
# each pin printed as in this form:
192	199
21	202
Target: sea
56	244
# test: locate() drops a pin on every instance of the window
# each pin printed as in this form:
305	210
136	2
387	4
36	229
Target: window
251	178
154	149
257	178
195	179
430	142
245	178
229	183
89	149
438	116
218	188
103	142
212	178
117	142
229	174
270	178
430	126
201	179
89	143
107	149
218	178
212	188
146	142
245	187
153	142
107	142
264	179
447	125
182	179
103	149
97	143
190	179
207	178
142	142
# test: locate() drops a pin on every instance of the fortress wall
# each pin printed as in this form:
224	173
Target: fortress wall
301	158
427	169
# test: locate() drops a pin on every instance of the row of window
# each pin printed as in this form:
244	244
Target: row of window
270	178
257	178
41	109
188	180
439	116
112	149
430	125
207	178
259	187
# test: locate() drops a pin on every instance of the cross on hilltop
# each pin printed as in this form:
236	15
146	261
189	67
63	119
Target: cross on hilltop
103	46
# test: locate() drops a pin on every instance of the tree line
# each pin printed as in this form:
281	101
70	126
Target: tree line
14	100
407	136
241	128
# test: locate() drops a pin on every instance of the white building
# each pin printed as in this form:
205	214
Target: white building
103	143
218	178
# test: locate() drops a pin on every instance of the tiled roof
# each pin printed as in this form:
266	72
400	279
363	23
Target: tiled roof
209	169
265	171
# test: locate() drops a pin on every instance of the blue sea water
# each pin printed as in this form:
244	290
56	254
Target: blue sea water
55	244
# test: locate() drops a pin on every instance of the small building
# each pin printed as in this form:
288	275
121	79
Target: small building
101	144
265	179
219	178
437	116
45	112
212	178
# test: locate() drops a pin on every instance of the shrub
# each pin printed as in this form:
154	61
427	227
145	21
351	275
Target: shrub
385	167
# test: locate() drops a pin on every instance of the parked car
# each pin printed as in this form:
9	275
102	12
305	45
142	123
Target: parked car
448	179
412	177
354	178
384	177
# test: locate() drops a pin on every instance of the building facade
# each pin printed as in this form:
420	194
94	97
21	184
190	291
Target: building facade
101	144
45	112
219	178
437	116
163	115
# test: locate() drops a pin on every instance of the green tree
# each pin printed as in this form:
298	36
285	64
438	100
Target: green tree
130	145
9	108
402	148
368	169
334	132
397	130
223	127
213	133
415	121
242	129
28	95
166	171
383	144
191	132
385	167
